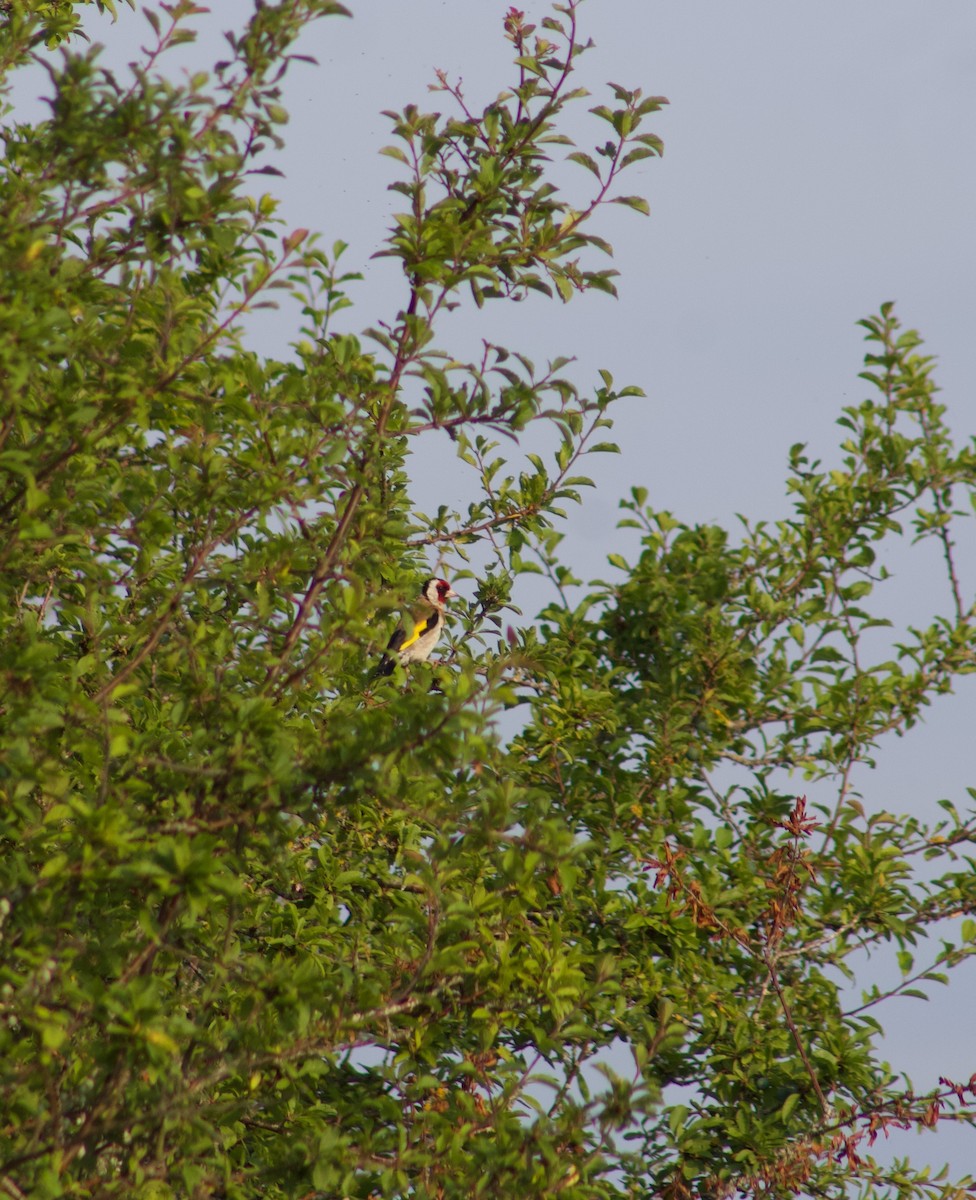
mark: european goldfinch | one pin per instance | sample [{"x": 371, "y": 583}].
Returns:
[{"x": 414, "y": 640}]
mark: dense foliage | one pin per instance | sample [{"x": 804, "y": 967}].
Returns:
[{"x": 274, "y": 927}]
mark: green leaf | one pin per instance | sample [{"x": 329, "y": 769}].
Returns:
[
  {"x": 585, "y": 160},
  {"x": 638, "y": 203}
]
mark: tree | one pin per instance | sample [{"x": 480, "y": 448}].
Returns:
[{"x": 275, "y": 927}]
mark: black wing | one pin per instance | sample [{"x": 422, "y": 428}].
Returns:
[{"x": 387, "y": 664}]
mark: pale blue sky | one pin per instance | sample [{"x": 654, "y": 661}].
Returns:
[{"x": 819, "y": 160}]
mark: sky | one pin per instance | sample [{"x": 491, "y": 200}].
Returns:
[{"x": 818, "y": 161}]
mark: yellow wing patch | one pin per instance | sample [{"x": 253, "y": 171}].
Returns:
[{"x": 419, "y": 629}]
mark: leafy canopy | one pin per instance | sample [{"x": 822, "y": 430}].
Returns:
[{"x": 274, "y": 927}]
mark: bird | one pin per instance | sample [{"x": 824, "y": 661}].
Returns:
[{"x": 413, "y": 641}]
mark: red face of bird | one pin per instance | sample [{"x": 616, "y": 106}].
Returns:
[{"x": 438, "y": 592}]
